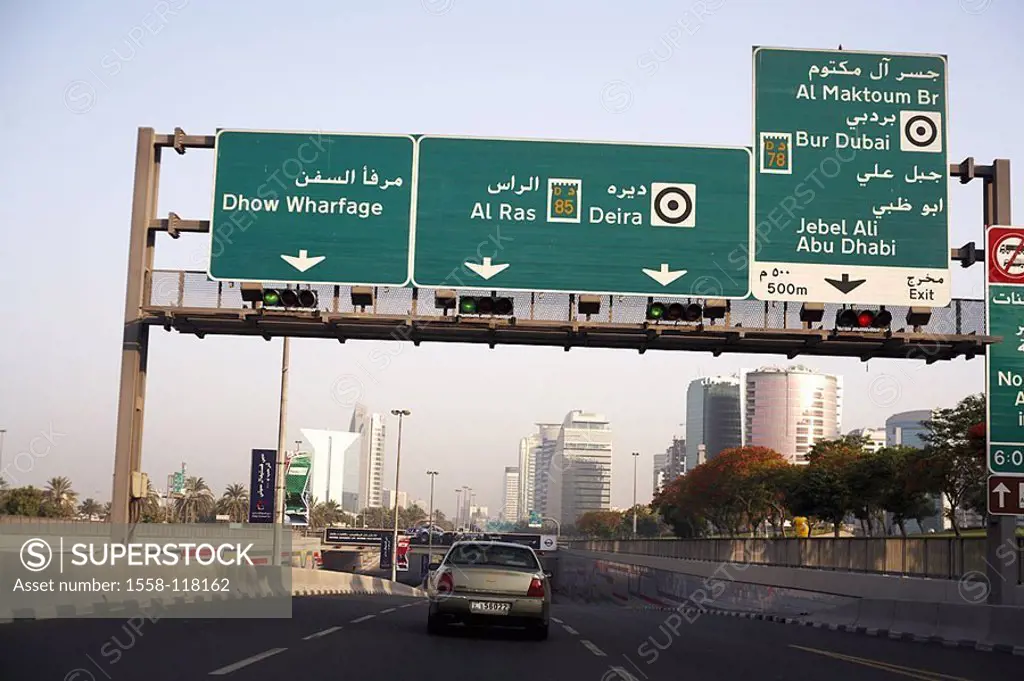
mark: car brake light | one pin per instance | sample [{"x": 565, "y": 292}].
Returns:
[
  {"x": 446, "y": 582},
  {"x": 536, "y": 589}
]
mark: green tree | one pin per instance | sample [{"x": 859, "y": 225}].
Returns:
[
  {"x": 24, "y": 501},
  {"x": 599, "y": 524},
  {"x": 955, "y": 461},
  {"x": 234, "y": 503},
  {"x": 825, "y": 486},
  {"x": 196, "y": 501},
  {"x": 324, "y": 514},
  {"x": 647, "y": 523},
  {"x": 61, "y": 497},
  {"x": 153, "y": 509},
  {"x": 89, "y": 508},
  {"x": 905, "y": 491}
]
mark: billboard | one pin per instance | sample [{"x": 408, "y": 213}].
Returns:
[
  {"x": 261, "y": 486},
  {"x": 297, "y": 493}
]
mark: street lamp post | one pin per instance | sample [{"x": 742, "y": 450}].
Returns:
[
  {"x": 401, "y": 414},
  {"x": 458, "y": 507},
  {"x": 3, "y": 431},
  {"x": 636, "y": 455},
  {"x": 430, "y": 518}
]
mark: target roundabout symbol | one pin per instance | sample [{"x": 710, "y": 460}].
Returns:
[
  {"x": 673, "y": 204},
  {"x": 921, "y": 131}
]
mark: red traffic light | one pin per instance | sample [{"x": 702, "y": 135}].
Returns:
[{"x": 863, "y": 319}]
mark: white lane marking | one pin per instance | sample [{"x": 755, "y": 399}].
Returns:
[
  {"x": 362, "y": 619},
  {"x": 246, "y": 662},
  {"x": 592, "y": 648},
  {"x": 555, "y": 619},
  {"x": 384, "y": 612},
  {"x": 318, "y": 634},
  {"x": 570, "y": 630}
]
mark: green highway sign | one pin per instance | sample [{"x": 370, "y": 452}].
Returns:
[
  {"x": 582, "y": 217},
  {"x": 1005, "y": 360},
  {"x": 312, "y": 207},
  {"x": 850, "y": 181}
]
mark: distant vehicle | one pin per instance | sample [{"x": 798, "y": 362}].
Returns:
[{"x": 491, "y": 584}]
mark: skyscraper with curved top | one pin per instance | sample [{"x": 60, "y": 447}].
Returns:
[{"x": 790, "y": 409}]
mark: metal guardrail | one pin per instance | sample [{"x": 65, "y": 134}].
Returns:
[{"x": 937, "y": 558}]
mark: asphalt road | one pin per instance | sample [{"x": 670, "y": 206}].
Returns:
[{"x": 385, "y": 637}]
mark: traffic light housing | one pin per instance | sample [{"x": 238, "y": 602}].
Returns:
[
  {"x": 284, "y": 298},
  {"x": 851, "y": 318},
  {"x": 674, "y": 312},
  {"x": 290, "y": 298},
  {"x": 486, "y": 305}
]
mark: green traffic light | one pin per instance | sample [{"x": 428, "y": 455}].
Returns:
[
  {"x": 467, "y": 305},
  {"x": 271, "y": 298},
  {"x": 656, "y": 311}
]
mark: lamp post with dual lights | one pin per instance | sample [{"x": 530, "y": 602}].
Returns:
[
  {"x": 636, "y": 456},
  {"x": 401, "y": 414}
]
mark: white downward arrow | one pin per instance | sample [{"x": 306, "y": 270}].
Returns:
[
  {"x": 664, "y": 276},
  {"x": 1002, "y": 490},
  {"x": 486, "y": 270},
  {"x": 303, "y": 262}
]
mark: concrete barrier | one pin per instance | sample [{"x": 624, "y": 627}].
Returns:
[
  {"x": 914, "y": 620},
  {"x": 1006, "y": 628},
  {"x": 325, "y": 582},
  {"x": 874, "y": 616},
  {"x": 961, "y": 624}
]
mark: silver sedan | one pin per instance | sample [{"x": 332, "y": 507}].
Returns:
[{"x": 489, "y": 583}]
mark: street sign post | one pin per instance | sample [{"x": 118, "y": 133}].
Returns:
[
  {"x": 582, "y": 217},
  {"x": 850, "y": 181},
  {"x": 312, "y": 208},
  {"x": 1005, "y": 495},
  {"x": 1005, "y": 360}
]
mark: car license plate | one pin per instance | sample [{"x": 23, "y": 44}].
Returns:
[{"x": 490, "y": 607}]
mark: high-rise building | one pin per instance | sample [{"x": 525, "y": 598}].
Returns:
[
  {"x": 371, "y": 430},
  {"x": 547, "y": 491},
  {"x": 389, "y": 496},
  {"x": 713, "y": 417},
  {"x": 510, "y": 509},
  {"x": 334, "y": 475},
  {"x": 906, "y": 428},
  {"x": 670, "y": 465},
  {"x": 790, "y": 409},
  {"x": 582, "y": 463},
  {"x": 528, "y": 450},
  {"x": 875, "y": 437}
]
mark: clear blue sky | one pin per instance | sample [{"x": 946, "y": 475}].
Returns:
[{"x": 76, "y": 82}]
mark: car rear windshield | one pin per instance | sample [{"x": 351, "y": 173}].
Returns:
[{"x": 490, "y": 555}]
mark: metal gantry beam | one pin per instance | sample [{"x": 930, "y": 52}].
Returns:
[{"x": 568, "y": 332}]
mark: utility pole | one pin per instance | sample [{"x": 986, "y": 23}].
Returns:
[
  {"x": 279, "y": 457},
  {"x": 430, "y": 517},
  {"x": 401, "y": 414},
  {"x": 458, "y": 508},
  {"x": 636, "y": 456}
]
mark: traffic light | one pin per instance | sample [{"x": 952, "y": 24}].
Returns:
[
  {"x": 486, "y": 305},
  {"x": 850, "y": 318},
  {"x": 279, "y": 297},
  {"x": 290, "y": 298},
  {"x": 674, "y": 312}
]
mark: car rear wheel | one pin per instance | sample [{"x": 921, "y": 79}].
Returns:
[
  {"x": 434, "y": 626},
  {"x": 539, "y": 633}
]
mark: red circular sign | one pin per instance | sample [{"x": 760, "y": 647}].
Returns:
[{"x": 1006, "y": 256}]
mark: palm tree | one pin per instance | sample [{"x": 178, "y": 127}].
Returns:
[
  {"x": 196, "y": 501},
  {"x": 61, "y": 496},
  {"x": 89, "y": 508},
  {"x": 234, "y": 503},
  {"x": 324, "y": 514},
  {"x": 105, "y": 513},
  {"x": 152, "y": 508}
]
